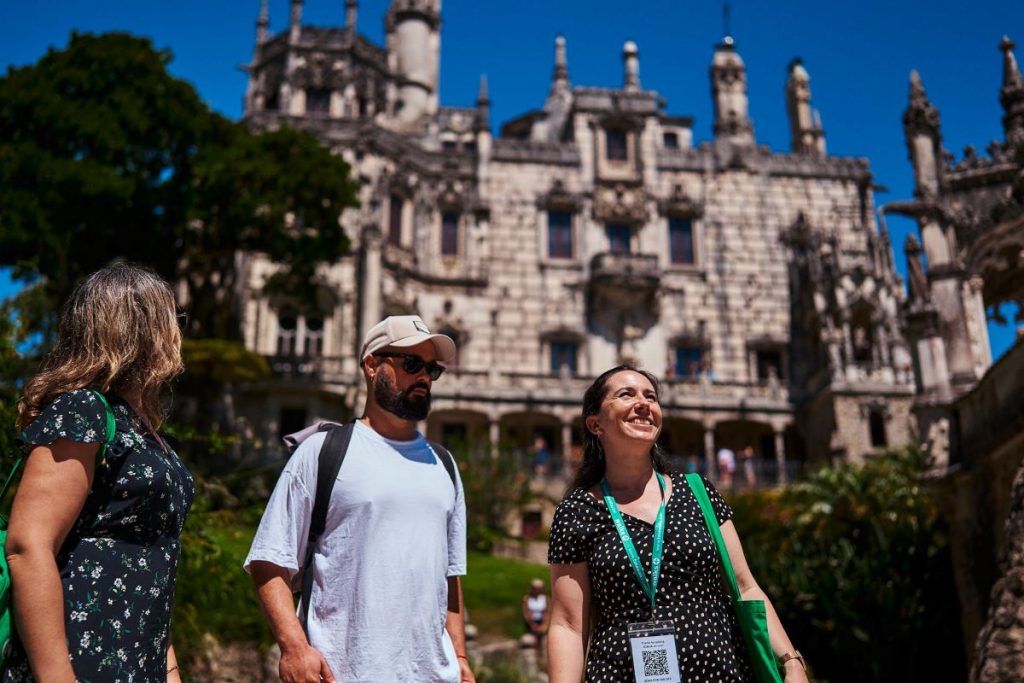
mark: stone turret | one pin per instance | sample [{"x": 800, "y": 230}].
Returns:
[
  {"x": 414, "y": 44},
  {"x": 1011, "y": 96},
  {"x": 630, "y": 66},
  {"x": 804, "y": 123},
  {"x": 262, "y": 23},
  {"x": 729, "y": 92}
]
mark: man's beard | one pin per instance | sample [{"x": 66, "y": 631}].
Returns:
[{"x": 404, "y": 405}]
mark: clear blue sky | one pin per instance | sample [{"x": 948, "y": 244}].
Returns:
[{"x": 859, "y": 56}]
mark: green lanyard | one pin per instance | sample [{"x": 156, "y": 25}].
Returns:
[{"x": 650, "y": 588}]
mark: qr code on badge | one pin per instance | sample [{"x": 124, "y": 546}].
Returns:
[{"x": 655, "y": 662}]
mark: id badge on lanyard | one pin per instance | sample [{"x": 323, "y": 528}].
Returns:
[
  {"x": 653, "y": 646},
  {"x": 652, "y": 643}
]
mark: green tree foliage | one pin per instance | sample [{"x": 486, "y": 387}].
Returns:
[
  {"x": 105, "y": 155},
  {"x": 495, "y": 486},
  {"x": 857, "y": 563}
]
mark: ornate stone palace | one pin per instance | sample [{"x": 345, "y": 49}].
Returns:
[
  {"x": 970, "y": 416},
  {"x": 594, "y": 230}
]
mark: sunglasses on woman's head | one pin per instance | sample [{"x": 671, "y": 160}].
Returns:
[{"x": 413, "y": 364}]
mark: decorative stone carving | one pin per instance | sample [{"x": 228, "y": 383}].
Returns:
[
  {"x": 679, "y": 203},
  {"x": 620, "y": 203}
]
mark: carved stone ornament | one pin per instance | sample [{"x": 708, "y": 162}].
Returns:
[
  {"x": 558, "y": 198},
  {"x": 319, "y": 71},
  {"x": 679, "y": 203},
  {"x": 620, "y": 203}
]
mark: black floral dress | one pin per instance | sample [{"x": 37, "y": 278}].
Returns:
[
  {"x": 690, "y": 592},
  {"x": 118, "y": 563}
]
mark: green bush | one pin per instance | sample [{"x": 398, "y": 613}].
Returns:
[
  {"x": 856, "y": 562},
  {"x": 213, "y": 594}
]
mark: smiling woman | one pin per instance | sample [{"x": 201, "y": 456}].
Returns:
[{"x": 631, "y": 549}]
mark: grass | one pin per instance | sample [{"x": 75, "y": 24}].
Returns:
[{"x": 493, "y": 590}]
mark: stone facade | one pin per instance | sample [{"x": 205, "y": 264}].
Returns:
[
  {"x": 592, "y": 231},
  {"x": 970, "y": 413}
]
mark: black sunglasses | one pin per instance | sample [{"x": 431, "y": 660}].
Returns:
[{"x": 413, "y": 364}]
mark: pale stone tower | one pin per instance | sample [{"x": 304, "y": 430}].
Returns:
[
  {"x": 804, "y": 122},
  {"x": 414, "y": 45},
  {"x": 729, "y": 93}
]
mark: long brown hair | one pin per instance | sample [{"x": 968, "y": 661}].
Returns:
[
  {"x": 118, "y": 334},
  {"x": 591, "y": 470}
]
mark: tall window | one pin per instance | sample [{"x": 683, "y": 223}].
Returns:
[
  {"x": 313, "y": 343},
  {"x": 615, "y": 145},
  {"x": 395, "y": 220},
  {"x": 563, "y": 353},
  {"x": 287, "y": 334},
  {"x": 450, "y": 234},
  {"x": 769, "y": 362},
  {"x": 559, "y": 234},
  {"x": 876, "y": 424},
  {"x": 318, "y": 101},
  {"x": 689, "y": 361},
  {"x": 618, "y": 238},
  {"x": 680, "y": 240}
]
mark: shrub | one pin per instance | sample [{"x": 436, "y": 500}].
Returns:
[{"x": 857, "y": 564}]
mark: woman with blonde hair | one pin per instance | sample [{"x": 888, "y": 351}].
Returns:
[{"x": 93, "y": 541}]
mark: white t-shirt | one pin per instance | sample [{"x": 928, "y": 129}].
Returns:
[{"x": 396, "y": 529}]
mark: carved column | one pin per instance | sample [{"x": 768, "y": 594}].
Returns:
[{"x": 709, "y": 452}]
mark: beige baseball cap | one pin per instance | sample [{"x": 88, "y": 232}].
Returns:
[{"x": 399, "y": 331}]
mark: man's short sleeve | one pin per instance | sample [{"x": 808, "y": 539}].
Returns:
[
  {"x": 282, "y": 536},
  {"x": 457, "y": 531}
]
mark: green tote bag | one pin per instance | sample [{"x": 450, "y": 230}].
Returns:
[
  {"x": 750, "y": 614},
  {"x": 6, "y": 611}
]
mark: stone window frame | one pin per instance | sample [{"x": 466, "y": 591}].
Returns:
[
  {"x": 767, "y": 345},
  {"x": 627, "y": 169},
  {"x": 563, "y": 335},
  {"x": 558, "y": 199},
  {"x": 299, "y": 338},
  {"x": 876, "y": 414},
  {"x": 691, "y": 341},
  {"x": 324, "y": 96},
  {"x": 680, "y": 205}
]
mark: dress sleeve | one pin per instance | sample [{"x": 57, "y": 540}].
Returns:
[
  {"x": 723, "y": 513},
  {"x": 568, "y": 543},
  {"x": 75, "y": 416}
]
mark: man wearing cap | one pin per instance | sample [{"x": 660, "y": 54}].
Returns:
[{"x": 386, "y": 603}]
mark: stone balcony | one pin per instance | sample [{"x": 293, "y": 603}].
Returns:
[{"x": 624, "y": 280}]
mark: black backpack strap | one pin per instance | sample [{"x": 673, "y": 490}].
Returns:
[
  {"x": 446, "y": 459},
  {"x": 332, "y": 454}
]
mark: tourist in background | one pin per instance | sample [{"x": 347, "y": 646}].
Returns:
[
  {"x": 535, "y": 612},
  {"x": 593, "y": 579},
  {"x": 93, "y": 542}
]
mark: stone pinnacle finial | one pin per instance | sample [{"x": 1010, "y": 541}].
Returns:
[
  {"x": 295, "y": 26},
  {"x": 482, "y": 94},
  {"x": 1011, "y": 72},
  {"x": 263, "y": 22},
  {"x": 1011, "y": 95},
  {"x": 561, "y": 61},
  {"x": 631, "y": 66},
  {"x": 351, "y": 14}
]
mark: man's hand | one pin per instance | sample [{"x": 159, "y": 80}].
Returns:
[
  {"x": 303, "y": 664},
  {"x": 466, "y": 675}
]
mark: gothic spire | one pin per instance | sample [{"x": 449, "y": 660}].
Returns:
[
  {"x": 560, "y": 75},
  {"x": 262, "y": 23},
  {"x": 483, "y": 105},
  {"x": 1011, "y": 95},
  {"x": 729, "y": 93},
  {"x": 920, "y": 116},
  {"x": 351, "y": 14},
  {"x": 804, "y": 122},
  {"x": 295, "y": 25}
]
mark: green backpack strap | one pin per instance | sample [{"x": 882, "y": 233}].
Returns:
[
  {"x": 111, "y": 429},
  {"x": 701, "y": 494}
]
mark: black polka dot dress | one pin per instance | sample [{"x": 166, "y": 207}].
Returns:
[{"x": 690, "y": 593}]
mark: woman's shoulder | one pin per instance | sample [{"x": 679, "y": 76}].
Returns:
[{"x": 78, "y": 415}]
